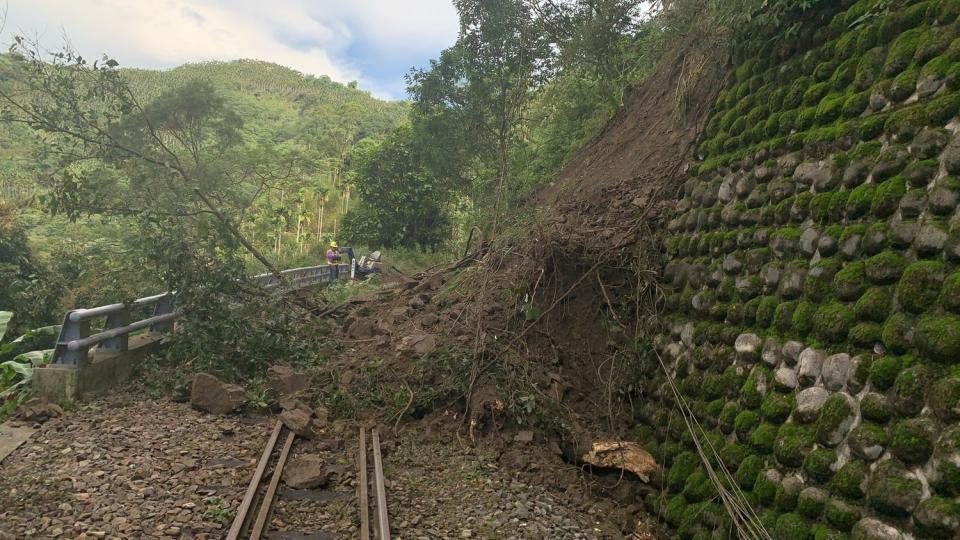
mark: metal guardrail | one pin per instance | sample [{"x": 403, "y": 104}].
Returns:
[{"x": 75, "y": 340}]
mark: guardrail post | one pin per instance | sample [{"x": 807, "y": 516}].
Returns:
[
  {"x": 164, "y": 306},
  {"x": 70, "y": 331},
  {"x": 117, "y": 319}
]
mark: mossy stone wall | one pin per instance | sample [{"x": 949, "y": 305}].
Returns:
[{"x": 814, "y": 284}]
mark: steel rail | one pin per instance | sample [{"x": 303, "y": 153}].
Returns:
[
  {"x": 87, "y": 342},
  {"x": 362, "y": 486},
  {"x": 384, "y": 524},
  {"x": 267, "y": 503},
  {"x": 244, "y": 508},
  {"x": 92, "y": 313}
]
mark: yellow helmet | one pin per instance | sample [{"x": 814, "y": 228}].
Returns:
[{"x": 334, "y": 244}]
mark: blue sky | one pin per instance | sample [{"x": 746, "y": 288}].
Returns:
[{"x": 374, "y": 42}]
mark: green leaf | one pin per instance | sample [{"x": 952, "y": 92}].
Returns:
[
  {"x": 5, "y": 317},
  {"x": 35, "y": 358}
]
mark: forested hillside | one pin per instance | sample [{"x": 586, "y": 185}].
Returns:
[{"x": 87, "y": 253}]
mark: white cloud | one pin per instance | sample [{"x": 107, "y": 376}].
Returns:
[{"x": 316, "y": 37}]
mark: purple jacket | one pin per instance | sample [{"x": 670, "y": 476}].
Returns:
[{"x": 333, "y": 257}]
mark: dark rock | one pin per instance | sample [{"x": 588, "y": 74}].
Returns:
[
  {"x": 913, "y": 203},
  {"x": 808, "y": 241},
  {"x": 37, "y": 409},
  {"x": 214, "y": 396}
]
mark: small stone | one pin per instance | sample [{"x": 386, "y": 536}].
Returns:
[{"x": 466, "y": 533}]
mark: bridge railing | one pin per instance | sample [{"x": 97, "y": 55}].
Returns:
[{"x": 75, "y": 340}]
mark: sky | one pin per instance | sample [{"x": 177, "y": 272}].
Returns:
[{"x": 374, "y": 42}]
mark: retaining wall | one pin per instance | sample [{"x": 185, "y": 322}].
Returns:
[{"x": 815, "y": 305}]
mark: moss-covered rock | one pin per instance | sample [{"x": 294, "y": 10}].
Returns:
[
  {"x": 898, "y": 332},
  {"x": 766, "y": 309},
  {"x": 892, "y": 490},
  {"x": 811, "y": 502},
  {"x": 950, "y": 293},
  {"x": 744, "y": 423},
  {"x": 776, "y": 407},
  {"x": 842, "y": 514},
  {"x": 920, "y": 285},
  {"x": 937, "y": 518},
  {"x": 945, "y": 399},
  {"x": 887, "y": 196},
  {"x": 938, "y": 337},
  {"x": 904, "y": 84},
  {"x": 885, "y": 267},
  {"x": 850, "y": 282},
  {"x": 874, "y": 406},
  {"x": 802, "y": 323},
  {"x": 765, "y": 486},
  {"x": 818, "y": 464},
  {"x": 874, "y": 305},
  {"x": 763, "y": 437},
  {"x": 866, "y": 334},
  {"x": 698, "y": 487},
  {"x": 747, "y": 472},
  {"x": 912, "y": 440},
  {"x": 909, "y": 390},
  {"x": 755, "y": 387},
  {"x": 884, "y": 371},
  {"x": 684, "y": 465},
  {"x": 792, "y": 527},
  {"x": 859, "y": 201},
  {"x": 836, "y": 418},
  {"x": 851, "y": 480},
  {"x": 792, "y": 444},
  {"x": 833, "y": 321},
  {"x": 868, "y": 441},
  {"x": 818, "y": 284}
]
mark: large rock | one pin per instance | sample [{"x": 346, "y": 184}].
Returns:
[
  {"x": 747, "y": 347},
  {"x": 305, "y": 472},
  {"x": 284, "y": 381},
  {"x": 214, "y": 396},
  {"x": 298, "y": 421}
]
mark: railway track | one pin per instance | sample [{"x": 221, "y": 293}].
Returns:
[{"x": 253, "y": 516}]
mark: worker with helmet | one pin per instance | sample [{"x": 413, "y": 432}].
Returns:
[{"x": 333, "y": 254}]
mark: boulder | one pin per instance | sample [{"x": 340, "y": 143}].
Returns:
[
  {"x": 305, "y": 472},
  {"x": 214, "y": 396},
  {"x": 284, "y": 381},
  {"x": 298, "y": 421},
  {"x": 747, "y": 347}
]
